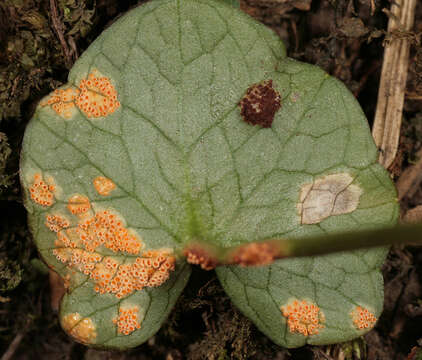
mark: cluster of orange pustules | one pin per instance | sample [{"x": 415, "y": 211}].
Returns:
[
  {"x": 62, "y": 101},
  {"x": 363, "y": 318},
  {"x": 127, "y": 321},
  {"x": 76, "y": 246},
  {"x": 303, "y": 317},
  {"x": 95, "y": 96},
  {"x": 41, "y": 192},
  {"x": 107, "y": 229}
]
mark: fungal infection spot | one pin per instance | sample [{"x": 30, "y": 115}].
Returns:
[
  {"x": 127, "y": 321},
  {"x": 56, "y": 223},
  {"x": 77, "y": 247},
  {"x": 363, "y": 318},
  {"x": 103, "y": 185},
  {"x": 198, "y": 254},
  {"x": 78, "y": 204},
  {"x": 328, "y": 196},
  {"x": 62, "y": 101},
  {"x": 97, "y": 96},
  {"x": 41, "y": 191},
  {"x": 260, "y": 103},
  {"x": 256, "y": 254},
  {"x": 82, "y": 329},
  {"x": 108, "y": 229},
  {"x": 303, "y": 317}
]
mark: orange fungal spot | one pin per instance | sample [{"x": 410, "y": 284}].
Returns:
[
  {"x": 107, "y": 229},
  {"x": 62, "y": 101},
  {"x": 95, "y": 91},
  {"x": 303, "y": 317},
  {"x": 363, "y": 318},
  {"x": 56, "y": 223},
  {"x": 41, "y": 192},
  {"x": 127, "y": 320},
  {"x": 78, "y": 204},
  {"x": 77, "y": 246},
  {"x": 82, "y": 329},
  {"x": 103, "y": 185}
]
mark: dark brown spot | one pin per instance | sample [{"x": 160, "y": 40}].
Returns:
[{"x": 260, "y": 104}]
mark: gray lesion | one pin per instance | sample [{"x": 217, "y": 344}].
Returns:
[{"x": 328, "y": 196}]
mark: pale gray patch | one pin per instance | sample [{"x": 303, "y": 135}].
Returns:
[{"x": 327, "y": 196}]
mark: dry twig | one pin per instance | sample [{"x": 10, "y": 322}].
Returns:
[
  {"x": 58, "y": 27},
  {"x": 386, "y": 129}
]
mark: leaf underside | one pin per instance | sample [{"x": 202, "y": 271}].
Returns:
[{"x": 186, "y": 166}]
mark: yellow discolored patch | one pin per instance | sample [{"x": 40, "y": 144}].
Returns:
[
  {"x": 56, "y": 223},
  {"x": 127, "y": 321},
  {"x": 363, "y": 318},
  {"x": 328, "y": 196},
  {"x": 303, "y": 317},
  {"x": 78, "y": 204},
  {"x": 103, "y": 185},
  {"x": 97, "y": 97},
  {"x": 62, "y": 101},
  {"x": 82, "y": 329},
  {"x": 41, "y": 192}
]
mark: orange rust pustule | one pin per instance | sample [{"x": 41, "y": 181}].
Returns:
[
  {"x": 363, "y": 318},
  {"x": 260, "y": 103},
  {"x": 97, "y": 97},
  {"x": 103, "y": 185},
  {"x": 151, "y": 269},
  {"x": 106, "y": 228},
  {"x": 127, "y": 321},
  {"x": 56, "y": 222},
  {"x": 255, "y": 254},
  {"x": 78, "y": 204},
  {"x": 62, "y": 101},
  {"x": 303, "y": 317},
  {"x": 41, "y": 192},
  {"x": 198, "y": 255}
]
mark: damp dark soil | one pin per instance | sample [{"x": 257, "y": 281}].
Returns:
[{"x": 39, "y": 42}]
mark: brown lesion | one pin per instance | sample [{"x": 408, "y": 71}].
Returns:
[
  {"x": 198, "y": 254},
  {"x": 256, "y": 254},
  {"x": 260, "y": 103}
]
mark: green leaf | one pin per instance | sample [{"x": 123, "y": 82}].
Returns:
[{"x": 168, "y": 158}]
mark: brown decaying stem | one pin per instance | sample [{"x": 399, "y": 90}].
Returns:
[{"x": 388, "y": 116}]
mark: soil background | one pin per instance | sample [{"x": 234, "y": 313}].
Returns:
[{"x": 39, "y": 42}]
